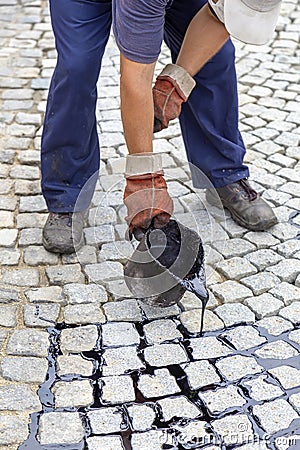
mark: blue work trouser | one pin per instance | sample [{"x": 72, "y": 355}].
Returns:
[{"x": 70, "y": 148}]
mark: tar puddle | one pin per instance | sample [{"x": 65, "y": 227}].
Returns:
[{"x": 175, "y": 438}]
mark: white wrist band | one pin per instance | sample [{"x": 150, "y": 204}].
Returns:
[
  {"x": 184, "y": 80},
  {"x": 142, "y": 163}
]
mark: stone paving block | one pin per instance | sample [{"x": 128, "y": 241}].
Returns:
[
  {"x": 33, "y": 203},
  {"x": 105, "y": 271},
  {"x": 149, "y": 440},
  {"x": 288, "y": 376},
  {"x": 41, "y": 315},
  {"x": 231, "y": 291},
  {"x": 244, "y": 337},
  {"x": 77, "y": 293},
  {"x": 277, "y": 350},
  {"x": 74, "y": 364},
  {"x": 28, "y": 342},
  {"x": 160, "y": 384},
  {"x": 284, "y": 231},
  {"x": 60, "y": 428},
  {"x": 79, "y": 339},
  {"x": 236, "y": 268},
  {"x": 263, "y": 258},
  {"x": 156, "y": 312},
  {"x": 7, "y": 219},
  {"x": 262, "y": 239},
  {"x": 25, "y": 172},
  {"x": 235, "y": 313},
  {"x": 86, "y": 255},
  {"x": 117, "y": 389},
  {"x": 261, "y": 282},
  {"x": 116, "y": 251},
  {"x": 159, "y": 355},
  {"x": 233, "y": 247},
  {"x": 8, "y": 316},
  {"x": 213, "y": 277},
  {"x": 118, "y": 361},
  {"x": 275, "y": 325},
  {"x": 27, "y": 187},
  {"x": 99, "y": 235},
  {"x": 212, "y": 257},
  {"x": 49, "y": 294},
  {"x": 291, "y": 312},
  {"x": 221, "y": 399},
  {"x": 141, "y": 416},
  {"x": 176, "y": 407},
  {"x": 295, "y": 401},
  {"x": 106, "y": 420},
  {"x": 275, "y": 415},
  {"x": 286, "y": 292},
  {"x": 233, "y": 229},
  {"x": 25, "y": 369},
  {"x": 191, "y": 320},
  {"x": 287, "y": 270},
  {"x": 18, "y": 397},
  {"x": 264, "y": 305},
  {"x": 208, "y": 347},
  {"x": 189, "y": 301},
  {"x": 278, "y": 198},
  {"x": 232, "y": 429},
  {"x": 127, "y": 310},
  {"x": 60, "y": 275},
  {"x": 84, "y": 314},
  {"x": 105, "y": 443},
  {"x": 8, "y": 203},
  {"x": 238, "y": 366},
  {"x": 20, "y": 277},
  {"x": 8, "y": 295},
  {"x": 9, "y": 257},
  {"x": 295, "y": 336},
  {"x": 260, "y": 389},
  {"x": 36, "y": 255},
  {"x": 73, "y": 394},
  {"x": 6, "y": 187},
  {"x": 3, "y": 336},
  {"x": 13, "y": 430},
  {"x": 30, "y": 236},
  {"x": 118, "y": 289},
  {"x": 194, "y": 433},
  {"x": 119, "y": 334},
  {"x": 200, "y": 374},
  {"x": 160, "y": 331}
]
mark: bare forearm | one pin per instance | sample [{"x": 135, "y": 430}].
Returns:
[
  {"x": 137, "y": 105},
  {"x": 204, "y": 38}
]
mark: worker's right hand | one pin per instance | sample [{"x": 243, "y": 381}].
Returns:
[
  {"x": 172, "y": 88},
  {"x": 146, "y": 195}
]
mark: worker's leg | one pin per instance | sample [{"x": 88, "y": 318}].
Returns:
[
  {"x": 209, "y": 120},
  {"x": 70, "y": 149}
]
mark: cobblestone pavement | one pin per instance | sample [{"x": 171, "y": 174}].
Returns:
[{"x": 83, "y": 365}]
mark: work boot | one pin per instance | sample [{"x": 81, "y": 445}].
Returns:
[
  {"x": 247, "y": 208},
  {"x": 63, "y": 232}
]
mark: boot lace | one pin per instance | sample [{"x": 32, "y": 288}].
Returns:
[{"x": 252, "y": 194}]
